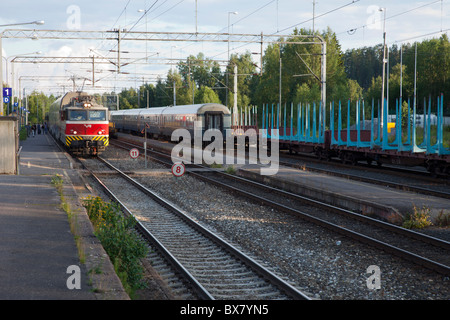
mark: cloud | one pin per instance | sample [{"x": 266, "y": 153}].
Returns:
[{"x": 212, "y": 16}]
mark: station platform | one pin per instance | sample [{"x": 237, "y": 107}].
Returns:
[
  {"x": 385, "y": 203},
  {"x": 38, "y": 250}
]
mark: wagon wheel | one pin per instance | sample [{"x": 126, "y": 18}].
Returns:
[{"x": 353, "y": 161}]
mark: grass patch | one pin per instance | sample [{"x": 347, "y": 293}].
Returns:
[
  {"x": 443, "y": 219},
  {"x": 121, "y": 243},
  {"x": 230, "y": 170},
  {"x": 23, "y": 134},
  {"x": 58, "y": 182}
]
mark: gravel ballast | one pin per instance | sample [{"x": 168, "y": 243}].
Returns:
[{"x": 319, "y": 262}]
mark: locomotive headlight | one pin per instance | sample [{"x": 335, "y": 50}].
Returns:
[
  {"x": 75, "y": 132},
  {"x": 100, "y": 132}
]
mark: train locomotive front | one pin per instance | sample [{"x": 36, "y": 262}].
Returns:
[{"x": 80, "y": 123}]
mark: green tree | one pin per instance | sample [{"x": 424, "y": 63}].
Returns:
[
  {"x": 246, "y": 70},
  {"x": 128, "y": 99},
  {"x": 198, "y": 71},
  {"x": 301, "y": 70},
  {"x": 355, "y": 90},
  {"x": 206, "y": 95},
  {"x": 38, "y": 106}
]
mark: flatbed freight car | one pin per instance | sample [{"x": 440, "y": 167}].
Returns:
[{"x": 310, "y": 130}]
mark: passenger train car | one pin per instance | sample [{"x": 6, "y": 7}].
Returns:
[
  {"x": 80, "y": 123},
  {"x": 161, "y": 122}
]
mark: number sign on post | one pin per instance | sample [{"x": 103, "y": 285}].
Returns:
[
  {"x": 7, "y": 92},
  {"x": 134, "y": 153},
  {"x": 178, "y": 169},
  {"x": 7, "y": 95}
]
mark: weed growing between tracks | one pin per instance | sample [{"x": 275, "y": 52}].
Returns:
[
  {"x": 57, "y": 182},
  {"x": 419, "y": 219},
  {"x": 116, "y": 233}
]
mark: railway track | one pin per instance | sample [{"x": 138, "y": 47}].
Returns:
[
  {"x": 391, "y": 177},
  {"x": 423, "y": 250},
  {"x": 213, "y": 268}
]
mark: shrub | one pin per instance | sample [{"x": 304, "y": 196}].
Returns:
[
  {"x": 230, "y": 170},
  {"x": 419, "y": 219},
  {"x": 443, "y": 219},
  {"x": 23, "y": 134}
]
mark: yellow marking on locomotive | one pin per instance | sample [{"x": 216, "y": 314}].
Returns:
[
  {"x": 70, "y": 139},
  {"x": 105, "y": 139}
]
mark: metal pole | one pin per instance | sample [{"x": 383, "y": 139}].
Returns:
[
  {"x": 235, "y": 91},
  {"x": 387, "y": 81},
  {"x": 93, "y": 71},
  {"x": 1, "y": 77},
  {"x": 261, "y": 57},
  {"x": 26, "y": 108},
  {"x": 314, "y": 14},
  {"x": 415, "y": 79},
  {"x": 118, "y": 50},
  {"x": 279, "y": 96},
  {"x": 174, "y": 93},
  {"x": 11, "y": 101},
  {"x": 384, "y": 70},
  {"x": 145, "y": 144},
  {"x": 228, "y": 42},
  {"x": 401, "y": 73},
  {"x": 324, "y": 81},
  {"x": 228, "y": 55}
]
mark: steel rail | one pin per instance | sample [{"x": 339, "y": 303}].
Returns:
[
  {"x": 384, "y": 168},
  {"x": 176, "y": 265},
  {"x": 430, "y": 264},
  {"x": 262, "y": 271},
  {"x": 319, "y": 204},
  {"x": 436, "y": 266}
]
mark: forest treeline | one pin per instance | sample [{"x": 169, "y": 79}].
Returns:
[{"x": 353, "y": 74}]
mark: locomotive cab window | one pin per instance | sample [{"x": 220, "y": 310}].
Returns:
[
  {"x": 97, "y": 115},
  {"x": 77, "y": 115}
]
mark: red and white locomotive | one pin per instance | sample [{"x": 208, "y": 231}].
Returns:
[{"x": 80, "y": 123}]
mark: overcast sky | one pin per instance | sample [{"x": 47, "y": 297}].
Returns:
[{"x": 356, "y": 24}]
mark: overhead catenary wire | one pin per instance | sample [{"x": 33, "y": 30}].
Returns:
[
  {"x": 318, "y": 16},
  {"x": 295, "y": 25},
  {"x": 240, "y": 20}
]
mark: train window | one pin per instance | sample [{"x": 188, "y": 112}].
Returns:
[
  {"x": 97, "y": 115},
  {"x": 77, "y": 115}
]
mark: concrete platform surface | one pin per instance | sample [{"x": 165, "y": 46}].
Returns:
[
  {"x": 386, "y": 203},
  {"x": 38, "y": 252}
]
